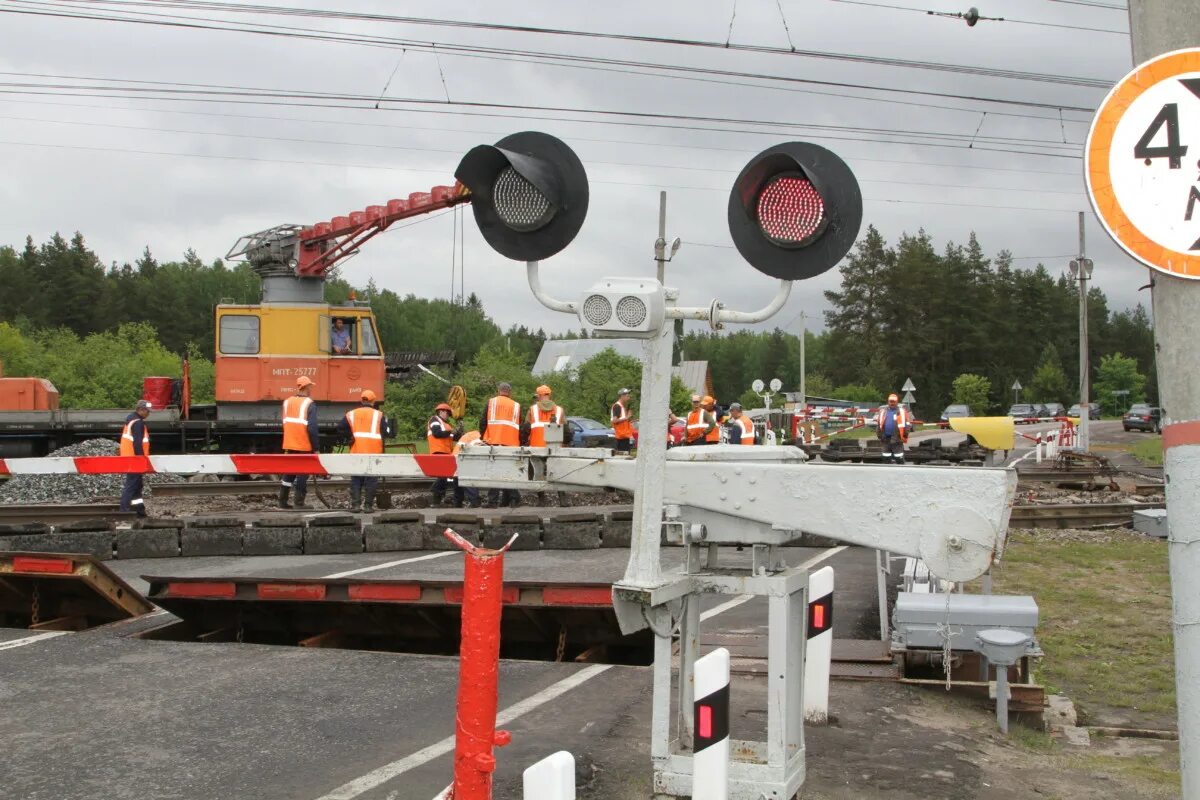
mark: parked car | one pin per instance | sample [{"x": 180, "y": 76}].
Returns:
[
  {"x": 1076, "y": 411},
  {"x": 675, "y": 433},
  {"x": 956, "y": 410},
  {"x": 587, "y": 432},
  {"x": 1021, "y": 412},
  {"x": 1053, "y": 410},
  {"x": 1144, "y": 417}
]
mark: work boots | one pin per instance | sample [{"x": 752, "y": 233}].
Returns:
[
  {"x": 355, "y": 500},
  {"x": 369, "y": 507},
  {"x": 438, "y": 497},
  {"x": 284, "y": 491},
  {"x": 300, "y": 493}
]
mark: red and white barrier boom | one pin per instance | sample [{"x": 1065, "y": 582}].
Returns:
[
  {"x": 710, "y": 727},
  {"x": 819, "y": 649},
  {"x": 387, "y": 466}
]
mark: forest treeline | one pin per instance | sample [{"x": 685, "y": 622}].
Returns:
[{"x": 904, "y": 310}]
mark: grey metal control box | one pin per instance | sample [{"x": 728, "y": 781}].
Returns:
[{"x": 918, "y": 619}]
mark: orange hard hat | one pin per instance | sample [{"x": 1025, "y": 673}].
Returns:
[
  {"x": 543, "y": 389},
  {"x": 303, "y": 381},
  {"x": 368, "y": 396},
  {"x": 443, "y": 407},
  {"x": 707, "y": 401}
]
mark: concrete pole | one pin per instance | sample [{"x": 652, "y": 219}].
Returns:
[
  {"x": 1157, "y": 27},
  {"x": 661, "y": 245},
  {"x": 1084, "y": 439}
]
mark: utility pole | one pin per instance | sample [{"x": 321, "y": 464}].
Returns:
[
  {"x": 1157, "y": 27},
  {"x": 803, "y": 374},
  {"x": 1083, "y": 268},
  {"x": 660, "y": 246}
]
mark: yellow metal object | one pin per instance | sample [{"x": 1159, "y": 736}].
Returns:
[
  {"x": 457, "y": 400},
  {"x": 993, "y": 433}
]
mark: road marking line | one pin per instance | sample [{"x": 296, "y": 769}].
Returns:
[
  {"x": 361, "y": 570},
  {"x": 387, "y": 772},
  {"x": 37, "y": 637}
]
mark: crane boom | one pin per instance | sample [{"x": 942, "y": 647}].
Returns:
[{"x": 311, "y": 251}]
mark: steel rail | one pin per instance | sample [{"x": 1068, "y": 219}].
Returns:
[{"x": 54, "y": 513}]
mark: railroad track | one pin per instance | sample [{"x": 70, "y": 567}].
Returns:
[
  {"x": 56, "y": 514},
  {"x": 1076, "y": 515},
  {"x": 269, "y": 487}
]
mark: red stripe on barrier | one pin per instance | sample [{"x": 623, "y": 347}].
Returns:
[
  {"x": 58, "y": 566},
  {"x": 291, "y": 591},
  {"x": 388, "y": 592},
  {"x": 1180, "y": 433},
  {"x": 295, "y": 464},
  {"x": 4, "y": 468},
  {"x": 108, "y": 465},
  {"x": 222, "y": 590},
  {"x": 437, "y": 466},
  {"x": 454, "y": 594},
  {"x": 577, "y": 596}
]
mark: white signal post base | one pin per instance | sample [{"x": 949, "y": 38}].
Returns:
[
  {"x": 772, "y": 769},
  {"x": 552, "y": 778},
  {"x": 819, "y": 656}
]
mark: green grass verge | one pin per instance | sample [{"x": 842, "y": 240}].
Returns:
[
  {"x": 1105, "y": 618},
  {"x": 1149, "y": 451}
]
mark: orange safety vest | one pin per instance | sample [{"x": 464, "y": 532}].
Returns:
[
  {"x": 538, "y": 420},
  {"x": 443, "y": 445},
  {"x": 465, "y": 440},
  {"x": 747, "y": 427},
  {"x": 503, "y": 422},
  {"x": 901, "y": 421},
  {"x": 621, "y": 421},
  {"x": 127, "y": 440},
  {"x": 295, "y": 424},
  {"x": 366, "y": 425},
  {"x": 697, "y": 425}
]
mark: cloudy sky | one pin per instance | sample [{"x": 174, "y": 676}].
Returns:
[{"x": 144, "y": 134}]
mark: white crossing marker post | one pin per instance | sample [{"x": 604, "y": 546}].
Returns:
[
  {"x": 710, "y": 727},
  {"x": 552, "y": 778},
  {"x": 818, "y": 654}
]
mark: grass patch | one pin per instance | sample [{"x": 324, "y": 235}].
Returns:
[
  {"x": 1149, "y": 451},
  {"x": 865, "y": 432},
  {"x": 1105, "y": 617},
  {"x": 1029, "y": 739},
  {"x": 1148, "y": 769}
]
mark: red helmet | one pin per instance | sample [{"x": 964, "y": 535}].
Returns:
[{"x": 443, "y": 407}]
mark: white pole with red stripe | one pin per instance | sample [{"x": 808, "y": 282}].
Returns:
[
  {"x": 710, "y": 727},
  {"x": 818, "y": 654}
]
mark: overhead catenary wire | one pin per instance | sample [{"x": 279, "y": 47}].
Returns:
[
  {"x": 672, "y": 145},
  {"x": 960, "y": 15},
  {"x": 73, "y": 9}
]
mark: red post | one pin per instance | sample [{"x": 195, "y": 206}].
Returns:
[{"x": 478, "y": 671}]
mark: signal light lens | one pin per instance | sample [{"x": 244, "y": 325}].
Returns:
[
  {"x": 518, "y": 202},
  {"x": 791, "y": 212}
]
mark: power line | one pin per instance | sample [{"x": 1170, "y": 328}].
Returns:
[
  {"x": 674, "y": 145},
  {"x": 1092, "y": 4},
  {"x": 61, "y": 8},
  {"x": 992, "y": 19}
]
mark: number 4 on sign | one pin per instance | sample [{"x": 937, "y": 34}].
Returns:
[{"x": 1173, "y": 151}]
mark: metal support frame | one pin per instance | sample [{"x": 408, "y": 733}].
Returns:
[{"x": 772, "y": 769}]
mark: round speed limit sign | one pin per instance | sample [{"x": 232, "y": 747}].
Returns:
[{"x": 1142, "y": 163}]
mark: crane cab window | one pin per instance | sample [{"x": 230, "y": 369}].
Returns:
[
  {"x": 341, "y": 337},
  {"x": 239, "y": 334},
  {"x": 370, "y": 344}
]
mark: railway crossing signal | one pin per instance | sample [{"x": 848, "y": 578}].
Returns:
[
  {"x": 529, "y": 192},
  {"x": 794, "y": 211}
]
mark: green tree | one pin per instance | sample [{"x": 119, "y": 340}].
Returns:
[
  {"x": 972, "y": 390},
  {"x": 860, "y": 392},
  {"x": 1049, "y": 383},
  {"x": 1119, "y": 373}
]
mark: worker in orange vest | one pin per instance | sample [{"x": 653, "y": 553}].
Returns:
[
  {"x": 700, "y": 422},
  {"x": 622, "y": 422},
  {"x": 300, "y": 435},
  {"x": 366, "y": 427},
  {"x": 544, "y": 412},
  {"x": 135, "y": 441},
  {"x": 892, "y": 426},
  {"x": 468, "y": 439},
  {"x": 740, "y": 424},
  {"x": 440, "y": 434},
  {"x": 501, "y": 426}
]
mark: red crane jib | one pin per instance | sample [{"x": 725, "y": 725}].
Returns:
[{"x": 324, "y": 244}]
